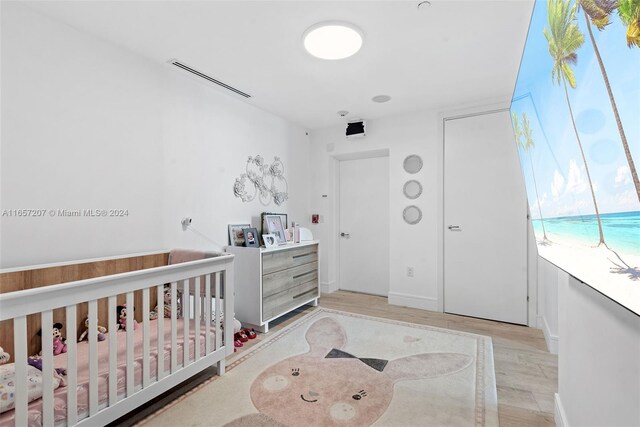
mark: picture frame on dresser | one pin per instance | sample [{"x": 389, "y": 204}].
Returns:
[
  {"x": 251, "y": 238},
  {"x": 269, "y": 240},
  {"x": 283, "y": 218},
  {"x": 275, "y": 227},
  {"x": 236, "y": 234}
]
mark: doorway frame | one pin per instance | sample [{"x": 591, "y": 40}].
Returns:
[
  {"x": 335, "y": 160},
  {"x": 496, "y": 106}
]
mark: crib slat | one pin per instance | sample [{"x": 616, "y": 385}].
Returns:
[
  {"x": 174, "y": 327},
  {"x": 160, "y": 298},
  {"x": 130, "y": 344},
  {"x": 227, "y": 281},
  {"x": 20, "y": 350},
  {"x": 207, "y": 314},
  {"x": 186, "y": 305},
  {"x": 218, "y": 309},
  {"x": 201, "y": 302},
  {"x": 47, "y": 367},
  {"x": 113, "y": 351},
  {"x": 93, "y": 357},
  {"x": 197, "y": 319},
  {"x": 145, "y": 338},
  {"x": 72, "y": 366}
]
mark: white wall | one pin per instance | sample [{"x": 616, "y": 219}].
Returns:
[
  {"x": 410, "y": 245},
  {"x": 548, "y": 278},
  {"x": 88, "y": 125},
  {"x": 599, "y": 360}
]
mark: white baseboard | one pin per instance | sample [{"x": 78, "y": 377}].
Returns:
[
  {"x": 560, "y": 416},
  {"x": 328, "y": 287},
  {"x": 549, "y": 338},
  {"x": 413, "y": 301}
]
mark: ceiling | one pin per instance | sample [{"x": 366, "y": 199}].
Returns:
[{"x": 447, "y": 54}]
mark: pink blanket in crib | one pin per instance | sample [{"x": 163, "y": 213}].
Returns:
[{"x": 60, "y": 394}]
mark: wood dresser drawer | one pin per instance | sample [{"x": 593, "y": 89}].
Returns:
[
  {"x": 281, "y": 260},
  {"x": 284, "y": 279},
  {"x": 282, "y": 302}
]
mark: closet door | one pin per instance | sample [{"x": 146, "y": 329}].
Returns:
[{"x": 485, "y": 220}]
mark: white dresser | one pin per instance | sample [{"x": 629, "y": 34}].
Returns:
[{"x": 272, "y": 282}]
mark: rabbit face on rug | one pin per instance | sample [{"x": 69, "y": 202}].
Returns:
[{"x": 327, "y": 385}]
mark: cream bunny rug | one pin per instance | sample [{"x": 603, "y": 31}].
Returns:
[{"x": 336, "y": 368}]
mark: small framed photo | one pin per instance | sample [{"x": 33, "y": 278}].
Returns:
[
  {"x": 274, "y": 226},
  {"x": 251, "y": 237},
  {"x": 236, "y": 235},
  {"x": 269, "y": 240},
  {"x": 263, "y": 219}
]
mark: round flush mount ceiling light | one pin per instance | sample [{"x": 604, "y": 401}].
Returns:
[
  {"x": 381, "y": 98},
  {"x": 332, "y": 40}
]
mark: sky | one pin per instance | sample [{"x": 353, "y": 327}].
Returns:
[{"x": 560, "y": 174}]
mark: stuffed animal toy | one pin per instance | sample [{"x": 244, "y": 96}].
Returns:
[
  {"x": 121, "y": 311},
  {"x": 4, "y": 356},
  {"x": 101, "y": 331},
  {"x": 167, "y": 302},
  {"x": 36, "y": 362},
  {"x": 59, "y": 345}
]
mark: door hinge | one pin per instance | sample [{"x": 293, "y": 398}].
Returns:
[{"x": 527, "y": 298}]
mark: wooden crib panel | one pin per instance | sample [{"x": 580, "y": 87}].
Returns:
[
  {"x": 11, "y": 282},
  {"x": 28, "y": 279}
]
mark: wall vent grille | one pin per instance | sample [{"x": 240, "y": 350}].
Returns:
[{"x": 209, "y": 78}]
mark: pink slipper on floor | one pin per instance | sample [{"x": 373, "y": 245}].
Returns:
[
  {"x": 240, "y": 336},
  {"x": 250, "y": 333},
  {"x": 237, "y": 343}
]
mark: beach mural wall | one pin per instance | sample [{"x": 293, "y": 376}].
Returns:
[{"x": 576, "y": 119}]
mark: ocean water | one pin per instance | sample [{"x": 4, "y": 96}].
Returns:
[{"x": 621, "y": 230}]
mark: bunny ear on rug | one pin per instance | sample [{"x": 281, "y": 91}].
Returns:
[
  {"x": 427, "y": 365},
  {"x": 324, "y": 335}
]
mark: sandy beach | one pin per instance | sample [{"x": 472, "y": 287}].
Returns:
[{"x": 614, "y": 273}]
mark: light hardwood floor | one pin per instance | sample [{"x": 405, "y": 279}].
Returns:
[{"x": 526, "y": 373}]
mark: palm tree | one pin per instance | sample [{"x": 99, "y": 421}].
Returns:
[
  {"x": 629, "y": 12},
  {"x": 527, "y": 145},
  {"x": 564, "y": 39},
  {"x": 597, "y": 12}
]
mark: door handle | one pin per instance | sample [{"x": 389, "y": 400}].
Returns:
[
  {"x": 345, "y": 235},
  {"x": 454, "y": 228}
]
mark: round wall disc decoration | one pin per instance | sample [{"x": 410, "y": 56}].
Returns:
[
  {"x": 413, "y": 163},
  {"x": 412, "y": 214},
  {"x": 412, "y": 189}
]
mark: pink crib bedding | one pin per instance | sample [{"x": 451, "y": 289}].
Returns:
[{"x": 60, "y": 361}]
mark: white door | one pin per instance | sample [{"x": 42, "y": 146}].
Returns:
[
  {"x": 364, "y": 225},
  {"x": 485, "y": 220}
]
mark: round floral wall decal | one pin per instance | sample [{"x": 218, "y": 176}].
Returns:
[{"x": 266, "y": 181}]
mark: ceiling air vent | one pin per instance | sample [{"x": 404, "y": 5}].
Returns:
[{"x": 204, "y": 76}]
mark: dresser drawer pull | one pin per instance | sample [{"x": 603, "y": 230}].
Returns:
[
  {"x": 304, "y": 293},
  {"x": 302, "y": 255},
  {"x": 304, "y": 274}
]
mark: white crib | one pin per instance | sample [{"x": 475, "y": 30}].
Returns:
[{"x": 159, "y": 355}]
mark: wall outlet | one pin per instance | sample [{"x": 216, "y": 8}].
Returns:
[{"x": 409, "y": 271}]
